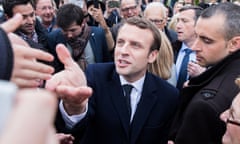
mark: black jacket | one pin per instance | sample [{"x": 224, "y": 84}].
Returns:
[{"x": 207, "y": 96}]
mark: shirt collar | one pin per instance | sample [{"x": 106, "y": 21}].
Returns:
[
  {"x": 184, "y": 46},
  {"x": 138, "y": 85}
]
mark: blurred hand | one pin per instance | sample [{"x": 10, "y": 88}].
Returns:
[
  {"x": 31, "y": 120},
  {"x": 97, "y": 15},
  {"x": 170, "y": 142},
  {"x": 70, "y": 84},
  {"x": 65, "y": 138},
  {"x": 27, "y": 71},
  {"x": 195, "y": 69},
  {"x": 185, "y": 84}
]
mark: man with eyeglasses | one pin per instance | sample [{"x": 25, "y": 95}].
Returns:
[
  {"x": 128, "y": 8},
  {"x": 232, "y": 119},
  {"x": 45, "y": 11},
  {"x": 217, "y": 47},
  {"x": 156, "y": 13}
]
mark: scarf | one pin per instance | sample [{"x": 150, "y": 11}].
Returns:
[{"x": 78, "y": 44}]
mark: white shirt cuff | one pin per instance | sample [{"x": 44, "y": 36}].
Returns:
[{"x": 70, "y": 121}]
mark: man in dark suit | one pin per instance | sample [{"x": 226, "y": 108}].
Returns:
[
  {"x": 108, "y": 117},
  {"x": 187, "y": 18},
  {"x": 211, "y": 93},
  {"x": 87, "y": 44}
]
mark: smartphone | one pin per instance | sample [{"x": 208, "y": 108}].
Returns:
[
  {"x": 113, "y": 4},
  {"x": 95, "y": 3},
  {"x": 8, "y": 91}
]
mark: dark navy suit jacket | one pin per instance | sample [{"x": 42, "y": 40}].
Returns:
[
  {"x": 97, "y": 41},
  {"x": 107, "y": 119}
]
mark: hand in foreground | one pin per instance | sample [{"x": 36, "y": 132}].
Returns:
[
  {"x": 31, "y": 120},
  {"x": 27, "y": 71},
  {"x": 65, "y": 138},
  {"x": 70, "y": 84}
]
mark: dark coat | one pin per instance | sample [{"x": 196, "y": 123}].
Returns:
[
  {"x": 208, "y": 95},
  {"x": 176, "y": 48},
  {"x": 107, "y": 119},
  {"x": 171, "y": 35}
]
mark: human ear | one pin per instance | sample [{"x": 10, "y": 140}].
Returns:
[
  {"x": 152, "y": 56},
  {"x": 234, "y": 44}
]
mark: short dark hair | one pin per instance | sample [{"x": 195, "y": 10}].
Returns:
[
  {"x": 143, "y": 23},
  {"x": 8, "y": 5},
  {"x": 198, "y": 10},
  {"x": 231, "y": 12},
  {"x": 69, "y": 13}
]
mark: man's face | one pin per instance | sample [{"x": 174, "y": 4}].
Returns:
[
  {"x": 73, "y": 31},
  {"x": 132, "y": 53},
  {"x": 210, "y": 45},
  {"x": 185, "y": 26},
  {"x": 129, "y": 8},
  {"x": 232, "y": 133},
  {"x": 29, "y": 19},
  {"x": 45, "y": 10},
  {"x": 177, "y": 7},
  {"x": 156, "y": 16}
]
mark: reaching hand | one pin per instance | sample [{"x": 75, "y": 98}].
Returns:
[
  {"x": 27, "y": 71},
  {"x": 70, "y": 84}
]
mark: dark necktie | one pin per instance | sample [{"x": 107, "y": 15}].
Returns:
[
  {"x": 182, "y": 77},
  {"x": 127, "y": 89}
]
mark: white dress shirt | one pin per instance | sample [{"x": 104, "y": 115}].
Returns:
[{"x": 135, "y": 93}]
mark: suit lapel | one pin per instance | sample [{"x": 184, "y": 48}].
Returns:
[
  {"x": 119, "y": 102},
  {"x": 147, "y": 101}
]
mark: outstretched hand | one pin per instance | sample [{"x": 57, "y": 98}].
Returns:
[
  {"x": 70, "y": 84},
  {"x": 27, "y": 71}
]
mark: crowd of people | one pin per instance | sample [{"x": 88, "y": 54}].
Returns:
[{"x": 120, "y": 72}]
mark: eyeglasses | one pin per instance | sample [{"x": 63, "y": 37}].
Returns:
[
  {"x": 44, "y": 8},
  {"x": 129, "y": 8},
  {"x": 157, "y": 21},
  {"x": 233, "y": 122}
]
